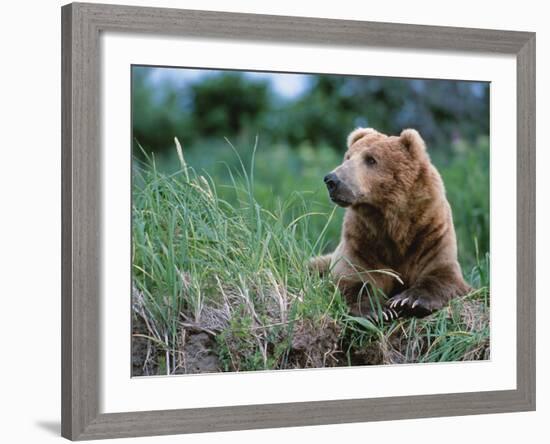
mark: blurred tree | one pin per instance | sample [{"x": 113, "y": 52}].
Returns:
[
  {"x": 229, "y": 104},
  {"x": 441, "y": 110},
  {"x": 323, "y": 115},
  {"x": 157, "y": 115}
]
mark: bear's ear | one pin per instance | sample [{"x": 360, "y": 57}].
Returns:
[
  {"x": 358, "y": 133},
  {"x": 412, "y": 141}
]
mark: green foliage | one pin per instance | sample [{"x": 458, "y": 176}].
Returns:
[
  {"x": 157, "y": 116},
  {"x": 466, "y": 179},
  {"x": 217, "y": 107},
  {"x": 440, "y": 110},
  {"x": 228, "y": 104},
  {"x": 223, "y": 105}
]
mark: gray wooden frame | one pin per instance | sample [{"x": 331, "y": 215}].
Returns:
[{"x": 81, "y": 232}]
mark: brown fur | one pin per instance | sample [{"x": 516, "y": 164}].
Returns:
[{"x": 397, "y": 222}]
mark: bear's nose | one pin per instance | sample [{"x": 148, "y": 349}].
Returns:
[{"x": 331, "y": 181}]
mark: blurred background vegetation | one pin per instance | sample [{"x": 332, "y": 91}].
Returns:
[{"x": 300, "y": 123}]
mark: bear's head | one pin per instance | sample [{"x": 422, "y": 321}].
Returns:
[{"x": 377, "y": 169}]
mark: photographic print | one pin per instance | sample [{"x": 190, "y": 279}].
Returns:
[{"x": 285, "y": 221}]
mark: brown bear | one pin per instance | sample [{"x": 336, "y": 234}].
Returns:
[{"x": 398, "y": 234}]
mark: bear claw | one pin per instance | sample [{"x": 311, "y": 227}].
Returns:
[
  {"x": 398, "y": 301},
  {"x": 410, "y": 305},
  {"x": 388, "y": 314}
]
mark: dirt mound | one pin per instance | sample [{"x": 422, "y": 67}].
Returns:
[
  {"x": 198, "y": 355},
  {"x": 144, "y": 351},
  {"x": 316, "y": 345},
  {"x": 223, "y": 339}
]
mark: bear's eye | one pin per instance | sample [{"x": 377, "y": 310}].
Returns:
[{"x": 370, "y": 160}]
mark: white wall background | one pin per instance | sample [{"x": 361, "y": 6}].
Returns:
[{"x": 30, "y": 221}]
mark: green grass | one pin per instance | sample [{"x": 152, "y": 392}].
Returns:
[{"x": 219, "y": 268}]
